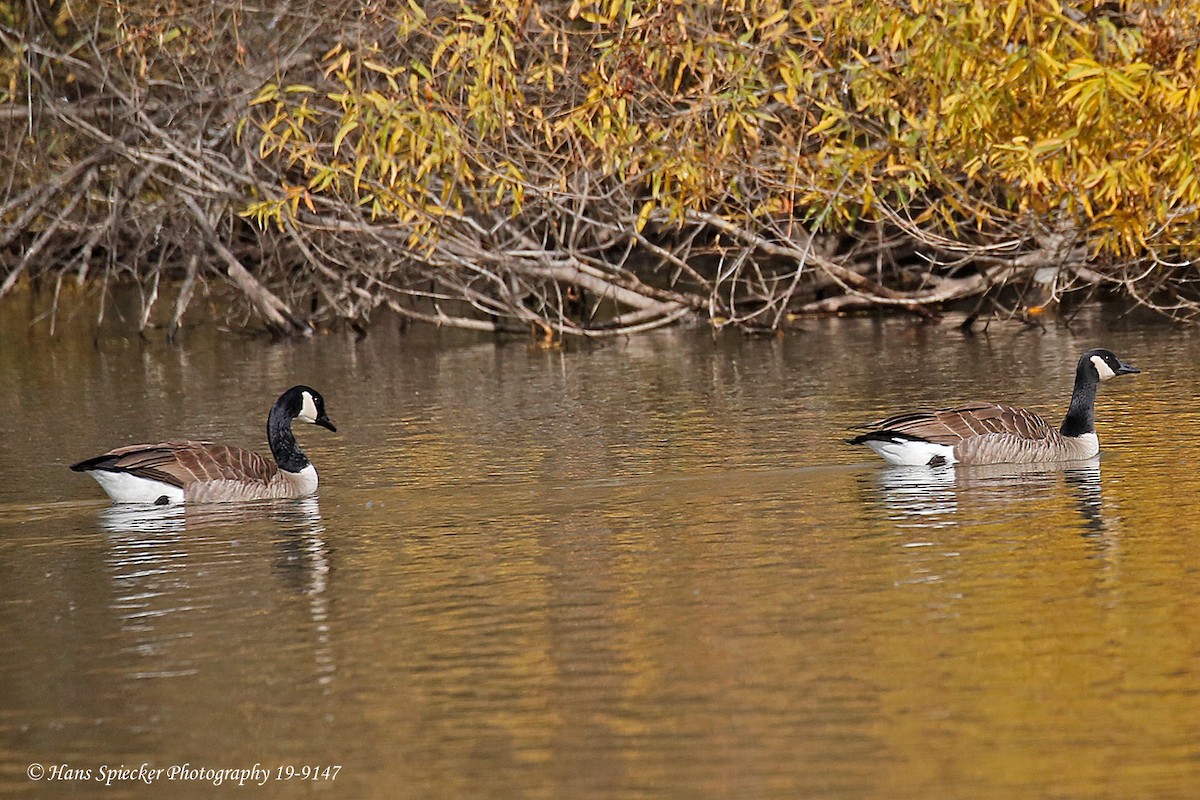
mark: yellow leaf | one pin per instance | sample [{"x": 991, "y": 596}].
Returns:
[
  {"x": 830, "y": 119},
  {"x": 644, "y": 215},
  {"x": 375, "y": 66},
  {"x": 773, "y": 18},
  {"x": 1009, "y": 17},
  {"x": 266, "y": 94},
  {"x": 347, "y": 126},
  {"x": 1049, "y": 145}
]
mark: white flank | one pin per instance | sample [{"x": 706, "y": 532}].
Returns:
[
  {"x": 1102, "y": 368},
  {"x": 308, "y": 408},
  {"x": 125, "y": 488},
  {"x": 909, "y": 453}
]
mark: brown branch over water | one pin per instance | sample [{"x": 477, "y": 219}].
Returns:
[{"x": 321, "y": 161}]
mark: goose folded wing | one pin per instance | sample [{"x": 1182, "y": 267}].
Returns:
[
  {"x": 180, "y": 462},
  {"x": 223, "y": 462},
  {"x": 949, "y": 426}
]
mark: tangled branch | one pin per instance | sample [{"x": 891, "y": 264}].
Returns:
[{"x": 565, "y": 169}]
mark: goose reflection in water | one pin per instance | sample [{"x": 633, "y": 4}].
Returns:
[
  {"x": 129, "y": 518},
  {"x": 170, "y": 562},
  {"x": 937, "y": 497},
  {"x": 297, "y": 516}
]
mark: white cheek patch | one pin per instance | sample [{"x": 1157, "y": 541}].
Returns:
[
  {"x": 308, "y": 408},
  {"x": 1102, "y": 367}
]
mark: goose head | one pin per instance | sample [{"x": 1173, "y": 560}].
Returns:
[
  {"x": 306, "y": 405},
  {"x": 1106, "y": 364}
]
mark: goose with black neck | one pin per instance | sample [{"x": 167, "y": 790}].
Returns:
[
  {"x": 181, "y": 470},
  {"x": 995, "y": 433}
]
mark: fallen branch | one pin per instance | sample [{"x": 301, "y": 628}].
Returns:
[{"x": 277, "y": 314}]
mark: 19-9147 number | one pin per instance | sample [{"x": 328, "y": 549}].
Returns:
[{"x": 307, "y": 772}]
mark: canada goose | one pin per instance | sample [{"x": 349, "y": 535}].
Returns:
[
  {"x": 178, "y": 470},
  {"x": 989, "y": 433}
]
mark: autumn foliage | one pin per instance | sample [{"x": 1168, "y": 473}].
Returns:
[{"x": 601, "y": 167}]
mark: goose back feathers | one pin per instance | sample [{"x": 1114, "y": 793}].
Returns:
[
  {"x": 994, "y": 433},
  {"x": 180, "y": 470}
]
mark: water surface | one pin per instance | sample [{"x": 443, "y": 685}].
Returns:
[{"x": 647, "y": 568}]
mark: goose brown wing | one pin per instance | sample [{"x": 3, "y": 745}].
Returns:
[
  {"x": 950, "y": 426},
  {"x": 179, "y": 462}
]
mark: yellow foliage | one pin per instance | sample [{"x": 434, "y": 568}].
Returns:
[{"x": 963, "y": 116}]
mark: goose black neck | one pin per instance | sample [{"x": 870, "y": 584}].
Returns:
[
  {"x": 284, "y": 447},
  {"x": 1081, "y": 416}
]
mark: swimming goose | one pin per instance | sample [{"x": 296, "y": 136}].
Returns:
[
  {"x": 990, "y": 433},
  {"x": 178, "y": 470}
]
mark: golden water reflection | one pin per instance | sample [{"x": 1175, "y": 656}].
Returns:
[{"x": 644, "y": 569}]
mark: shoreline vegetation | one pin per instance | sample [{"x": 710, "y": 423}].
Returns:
[{"x": 597, "y": 168}]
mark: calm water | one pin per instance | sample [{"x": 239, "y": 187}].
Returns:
[{"x": 647, "y": 569}]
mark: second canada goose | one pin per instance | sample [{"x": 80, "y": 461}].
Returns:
[
  {"x": 178, "y": 470},
  {"x": 990, "y": 433}
]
